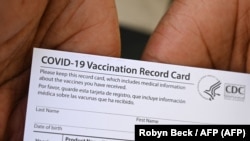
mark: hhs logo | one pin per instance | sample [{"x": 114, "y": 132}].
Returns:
[
  {"x": 209, "y": 87},
  {"x": 235, "y": 92}
]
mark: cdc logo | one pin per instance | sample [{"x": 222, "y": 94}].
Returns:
[
  {"x": 234, "y": 89},
  {"x": 235, "y": 92}
]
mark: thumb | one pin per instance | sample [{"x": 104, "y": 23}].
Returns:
[{"x": 194, "y": 33}]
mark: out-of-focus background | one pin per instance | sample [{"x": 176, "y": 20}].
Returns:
[{"x": 138, "y": 19}]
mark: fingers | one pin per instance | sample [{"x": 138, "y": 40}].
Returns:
[
  {"x": 19, "y": 20},
  {"x": 89, "y": 26},
  {"x": 194, "y": 33},
  {"x": 241, "y": 53},
  {"x": 18, "y": 24}
]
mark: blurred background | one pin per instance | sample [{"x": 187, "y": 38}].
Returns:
[{"x": 138, "y": 19}]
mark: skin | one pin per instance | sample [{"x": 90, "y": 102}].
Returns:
[
  {"x": 88, "y": 26},
  {"x": 211, "y": 34}
]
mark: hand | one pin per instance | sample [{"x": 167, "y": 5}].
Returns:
[
  {"x": 211, "y": 34},
  {"x": 88, "y": 26}
]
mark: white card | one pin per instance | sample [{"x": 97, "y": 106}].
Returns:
[{"x": 80, "y": 97}]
